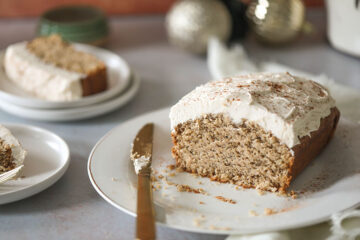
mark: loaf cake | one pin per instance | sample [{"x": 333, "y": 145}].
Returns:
[
  {"x": 257, "y": 131},
  {"x": 52, "y": 69},
  {"x": 12, "y": 154}
]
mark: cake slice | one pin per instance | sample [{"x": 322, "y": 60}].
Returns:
[
  {"x": 54, "y": 70},
  {"x": 12, "y": 154},
  {"x": 258, "y": 130}
]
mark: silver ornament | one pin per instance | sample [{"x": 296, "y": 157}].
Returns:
[{"x": 191, "y": 23}]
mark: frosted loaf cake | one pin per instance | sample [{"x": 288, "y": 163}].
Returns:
[{"x": 257, "y": 131}]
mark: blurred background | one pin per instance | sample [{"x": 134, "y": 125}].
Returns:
[{"x": 25, "y": 8}]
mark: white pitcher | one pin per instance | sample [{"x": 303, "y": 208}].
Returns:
[{"x": 343, "y": 25}]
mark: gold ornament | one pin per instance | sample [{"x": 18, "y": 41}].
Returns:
[
  {"x": 276, "y": 21},
  {"x": 190, "y": 24}
]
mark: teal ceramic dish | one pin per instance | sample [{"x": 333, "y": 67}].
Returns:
[{"x": 84, "y": 24}]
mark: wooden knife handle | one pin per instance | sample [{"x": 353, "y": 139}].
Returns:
[{"x": 145, "y": 221}]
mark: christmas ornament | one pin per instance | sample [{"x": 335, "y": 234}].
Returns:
[
  {"x": 191, "y": 23},
  {"x": 276, "y": 21}
]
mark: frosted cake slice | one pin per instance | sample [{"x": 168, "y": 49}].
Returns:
[
  {"x": 54, "y": 70},
  {"x": 12, "y": 154}
]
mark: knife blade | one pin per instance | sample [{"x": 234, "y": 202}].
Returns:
[{"x": 141, "y": 155}]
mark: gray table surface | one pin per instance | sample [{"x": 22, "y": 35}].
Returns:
[{"x": 71, "y": 209}]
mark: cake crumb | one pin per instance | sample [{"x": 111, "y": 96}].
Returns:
[
  {"x": 198, "y": 220},
  {"x": 202, "y": 191},
  {"x": 156, "y": 186},
  {"x": 170, "y": 183},
  {"x": 269, "y": 211},
  {"x": 200, "y": 182},
  {"x": 114, "y": 179},
  {"x": 171, "y": 166},
  {"x": 287, "y": 209},
  {"x": 253, "y": 213},
  {"x": 153, "y": 178},
  {"x": 195, "y": 175},
  {"x": 212, "y": 227},
  {"x": 260, "y": 192},
  {"x": 201, "y": 202},
  {"x": 172, "y": 174},
  {"x": 160, "y": 176},
  {"x": 187, "y": 188},
  {"x": 282, "y": 194},
  {"x": 293, "y": 194},
  {"x": 228, "y": 200}
]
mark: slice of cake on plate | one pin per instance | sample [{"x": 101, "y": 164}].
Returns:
[
  {"x": 258, "y": 130},
  {"x": 12, "y": 154},
  {"x": 54, "y": 70}
]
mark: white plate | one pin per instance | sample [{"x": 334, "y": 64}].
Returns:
[
  {"x": 334, "y": 178},
  {"x": 47, "y": 160},
  {"x": 118, "y": 79},
  {"x": 71, "y": 114}
]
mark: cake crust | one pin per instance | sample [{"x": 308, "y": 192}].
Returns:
[
  {"x": 95, "y": 82},
  {"x": 311, "y": 146}
]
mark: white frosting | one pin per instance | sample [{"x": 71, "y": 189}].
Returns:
[
  {"x": 287, "y": 106},
  {"x": 140, "y": 163},
  {"x": 17, "y": 152},
  {"x": 44, "y": 80}
]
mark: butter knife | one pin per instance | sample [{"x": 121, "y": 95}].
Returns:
[{"x": 141, "y": 155}]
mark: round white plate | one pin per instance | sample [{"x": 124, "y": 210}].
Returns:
[
  {"x": 71, "y": 114},
  {"x": 118, "y": 79},
  {"x": 47, "y": 160},
  {"x": 331, "y": 184}
]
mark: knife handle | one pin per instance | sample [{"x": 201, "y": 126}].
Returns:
[{"x": 145, "y": 221}]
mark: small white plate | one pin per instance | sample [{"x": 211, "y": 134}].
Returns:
[
  {"x": 331, "y": 183},
  {"x": 71, "y": 114},
  {"x": 118, "y": 79},
  {"x": 47, "y": 160}
]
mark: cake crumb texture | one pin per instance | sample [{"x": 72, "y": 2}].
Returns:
[
  {"x": 224, "y": 199},
  {"x": 6, "y": 159},
  {"x": 213, "y": 146}
]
